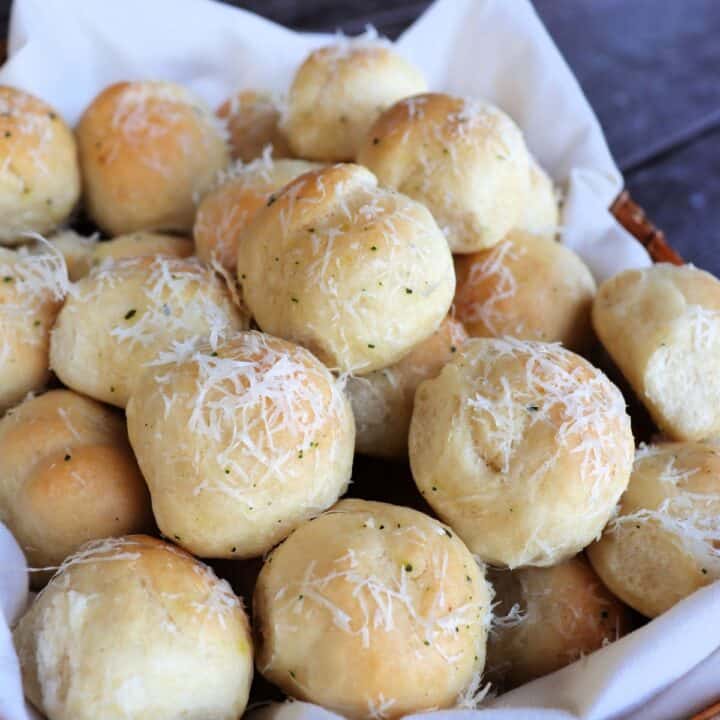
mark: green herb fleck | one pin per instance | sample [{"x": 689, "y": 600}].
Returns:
[
  {"x": 130, "y": 313},
  {"x": 407, "y": 567},
  {"x": 371, "y": 346},
  {"x": 408, "y": 291},
  {"x": 67, "y": 457}
]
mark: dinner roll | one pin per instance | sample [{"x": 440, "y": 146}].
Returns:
[
  {"x": 665, "y": 541},
  {"x": 132, "y": 629},
  {"x": 253, "y": 121},
  {"x": 523, "y": 448},
  {"x": 147, "y": 151},
  {"x": 661, "y": 326},
  {"x": 357, "y": 273},
  {"x": 139, "y": 244},
  {"x": 39, "y": 174},
  {"x": 226, "y": 211},
  {"x": 546, "y": 618},
  {"x": 68, "y": 476},
  {"x": 527, "y": 287},
  {"x": 541, "y": 213},
  {"x": 33, "y": 283},
  {"x": 123, "y": 314},
  {"x": 382, "y": 401},
  {"x": 463, "y": 158},
  {"x": 76, "y": 249},
  {"x": 372, "y": 610},
  {"x": 240, "y": 442},
  {"x": 339, "y": 91}
]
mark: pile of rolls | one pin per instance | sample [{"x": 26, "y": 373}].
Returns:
[{"x": 276, "y": 290}]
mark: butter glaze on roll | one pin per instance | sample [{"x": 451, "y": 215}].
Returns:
[
  {"x": 523, "y": 448},
  {"x": 463, "y": 158},
  {"x": 134, "y": 628},
  {"x": 372, "y": 608},
  {"x": 39, "y": 172},
  {"x": 354, "y": 272},
  {"x": 148, "y": 150}
]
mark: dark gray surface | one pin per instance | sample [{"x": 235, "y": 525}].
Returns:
[{"x": 651, "y": 69}]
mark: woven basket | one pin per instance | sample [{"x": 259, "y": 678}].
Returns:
[{"x": 632, "y": 217}]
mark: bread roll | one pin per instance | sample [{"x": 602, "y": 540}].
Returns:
[
  {"x": 39, "y": 174},
  {"x": 147, "y": 151},
  {"x": 523, "y": 448},
  {"x": 123, "y": 314},
  {"x": 541, "y": 213},
  {"x": 76, "y": 249},
  {"x": 33, "y": 283},
  {"x": 240, "y": 442},
  {"x": 227, "y": 210},
  {"x": 356, "y": 273},
  {"x": 463, "y": 158},
  {"x": 132, "y": 629},
  {"x": 528, "y": 287},
  {"x": 382, "y": 401},
  {"x": 372, "y": 610},
  {"x": 68, "y": 476},
  {"x": 546, "y": 618},
  {"x": 339, "y": 91},
  {"x": 665, "y": 541},
  {"x": 139, "y": 244},
  {"x": 253, "y": 121},
  {"x": 661, "y": 325}
]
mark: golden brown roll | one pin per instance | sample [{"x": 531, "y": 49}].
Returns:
[
  {"x": 541, "y": 215},
  {"x": 253, "y": 121},
  {"x": 68, "y": 476},
  {"x": 131, "y": 629},
  {"x": 372, "y": 610},
  {"x": 240, "y": 442},
  {"x": 463, "y": 158},
  {"x": 665, "y": 541},
  {"x": 148, "y": 150},
  {"x": 123, "y": 314},
  {"x": 661, "y": 326},
  {"x": 228, "y": 209},
  {"x": 523, "y": 448},
  {"x": 33, "y": 284},
  {"x": 339, "y": 91},
  {"x": 528, "y": 287},
  {"x": 546, "y": 618},
  {"x": 76, "y": 250},
  {"x": 356, "y": 273},
  {"x": 39, "y": 173},
  {"x": 382, "y": 401}
]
